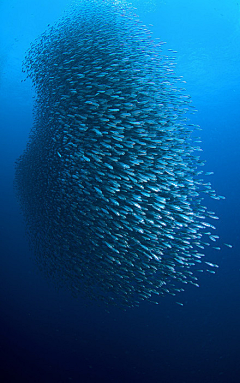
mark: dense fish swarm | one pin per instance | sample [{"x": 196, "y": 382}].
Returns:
[{"x": 109, "y": 182}]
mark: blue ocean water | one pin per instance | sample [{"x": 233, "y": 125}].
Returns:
[{"x": 46, "y": 335}]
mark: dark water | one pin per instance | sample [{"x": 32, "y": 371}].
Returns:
[{"x": 48, "y": 336}]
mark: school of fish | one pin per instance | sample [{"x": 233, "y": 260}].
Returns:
[{"x": 110, "y": 182}]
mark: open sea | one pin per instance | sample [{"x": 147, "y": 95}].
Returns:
[{"x": 48, "y": 334}]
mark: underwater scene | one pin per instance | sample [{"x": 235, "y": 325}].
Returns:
[{"x": 120, "y": 177}]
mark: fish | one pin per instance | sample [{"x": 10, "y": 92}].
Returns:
[{"x": 109, "y": 182}]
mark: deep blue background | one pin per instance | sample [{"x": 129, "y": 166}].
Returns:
[{"x": 48, "y": 336}]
